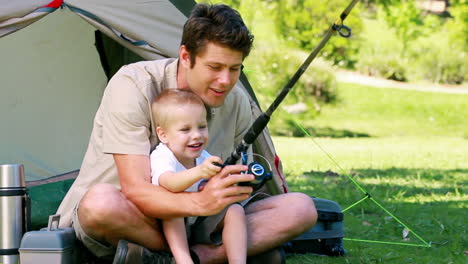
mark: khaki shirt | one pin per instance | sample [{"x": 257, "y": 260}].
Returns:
[{"x": 123, "y": 124}]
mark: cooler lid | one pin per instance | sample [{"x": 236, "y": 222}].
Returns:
[{"x": 58, "y": 239}]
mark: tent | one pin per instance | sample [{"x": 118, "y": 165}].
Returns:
[{"x": 57, "y": 57}]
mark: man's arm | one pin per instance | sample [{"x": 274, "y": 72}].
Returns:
[{"x": 155, "y": 201}]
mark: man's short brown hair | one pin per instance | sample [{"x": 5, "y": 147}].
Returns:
[{"x": 219, "y": 24}]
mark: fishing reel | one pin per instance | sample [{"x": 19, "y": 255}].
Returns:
[{"x": 258, "y": 170}]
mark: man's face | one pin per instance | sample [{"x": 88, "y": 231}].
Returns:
[
  {"x": 214, "y": 74},
  {"x": 185, "y": 132}
]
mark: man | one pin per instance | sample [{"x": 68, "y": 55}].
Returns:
[{"x": 113, "y": 199}]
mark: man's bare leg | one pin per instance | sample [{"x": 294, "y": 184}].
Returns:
[
  {"x": 105, "y": 214},
  {"x": 270, "y": 223}
]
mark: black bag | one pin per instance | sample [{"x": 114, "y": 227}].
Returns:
[{"x": 326, "y": 237}]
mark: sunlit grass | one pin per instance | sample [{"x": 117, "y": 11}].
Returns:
[
  {"x": 349, "y": 153},
  {"x": 416, "y": 169},
  {"x": 437, "y": 198},
  {"x": 421, "y": 183},
  {"x": 395, "y": 112},
  {"x": 405, "y": 182}
]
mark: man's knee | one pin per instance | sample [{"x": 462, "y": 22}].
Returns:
[
  {"x": 99, "y": 205},
  {"x": 302, "y": 210}
]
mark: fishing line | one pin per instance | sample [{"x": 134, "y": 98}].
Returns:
[
  {"x": 387, "y": 242},
  {"x": 367, "y": 195}
]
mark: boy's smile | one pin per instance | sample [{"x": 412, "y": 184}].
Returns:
[{"x": 186, "y": 132}]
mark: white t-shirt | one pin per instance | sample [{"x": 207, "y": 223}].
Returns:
[{"x": 163, "y": 160}]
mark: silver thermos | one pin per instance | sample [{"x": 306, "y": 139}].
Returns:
[{"x": 14, "y": 211}]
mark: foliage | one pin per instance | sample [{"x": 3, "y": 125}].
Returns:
[
  {"x": 432, "y": 48},
  {"x": 438, "y": 54},
  {"x": 445, "y": 53},
  {"x": 386, "y": 50},
  {"x": 381, "y": 56},
  {"x": 274, "y": 69},
  {"x": 393, "y": 39},
  {"x": 440, "y": 60},
  {"x": 319, "y": 83},
  {"x": 407, "y": 21},
  {"x": 304, "y": 22},
  {"x": 272, "y": 63},
  {"x": 457, "y": 26}
]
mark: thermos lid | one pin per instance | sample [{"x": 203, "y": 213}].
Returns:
[{"x": 12, "y": 176}]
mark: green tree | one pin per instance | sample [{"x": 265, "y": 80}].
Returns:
[
  {"x": 304, "y": 22},
  {"x": 407, "y": 21},
  {"x": 457, "y": 25}
]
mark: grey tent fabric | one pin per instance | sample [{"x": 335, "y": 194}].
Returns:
[
  {"x": 52, "y": 80},
  {"x": 51, "y": 86},
  {"x": 15, "y": 15},
  {"x": 137, "y": 32}
]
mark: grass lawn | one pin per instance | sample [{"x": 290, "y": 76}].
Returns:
[{"x": 415, "y": 164}]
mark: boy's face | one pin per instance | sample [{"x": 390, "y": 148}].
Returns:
[
  {"x": 185, "y": 132},
  {"x": 214, "y": 74}
]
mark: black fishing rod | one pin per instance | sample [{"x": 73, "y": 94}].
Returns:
[{"x": 261, "y": 122}]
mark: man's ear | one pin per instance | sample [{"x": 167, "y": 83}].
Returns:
[
  {"x": 161, "y": 135},
  {"x": 184, "y": 56}
]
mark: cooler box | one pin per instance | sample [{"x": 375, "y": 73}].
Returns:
[{"x": 49, "y": 245}]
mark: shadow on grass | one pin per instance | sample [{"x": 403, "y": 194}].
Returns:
[
  {"x": 431, "y": 202},
  {"x": 387, "y": 181},
  {"x": 293, "y": 131}
]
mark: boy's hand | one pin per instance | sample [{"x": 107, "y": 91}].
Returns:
[{"x": 208, "y": 169}]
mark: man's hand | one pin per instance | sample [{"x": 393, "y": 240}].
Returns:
[
  {"x": 221, "y": 190},
  {"x": 208, "y": 169}
]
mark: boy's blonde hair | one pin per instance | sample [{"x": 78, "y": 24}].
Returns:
[{"x": 161, "y": 106}]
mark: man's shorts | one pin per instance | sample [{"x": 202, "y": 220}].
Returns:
[
  {"x": 97, "y": 248},
  {"x": 203, "y": 231}
]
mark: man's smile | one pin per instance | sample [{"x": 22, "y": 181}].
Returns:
[{"x": 218, "y": 91}]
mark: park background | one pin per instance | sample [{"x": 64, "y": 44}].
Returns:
[
  {"x": 387, "y": 108},
  {"x": 404, "y": 142}
]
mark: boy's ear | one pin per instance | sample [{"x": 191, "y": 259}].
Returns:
[{"x": 161, "y": 135}]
